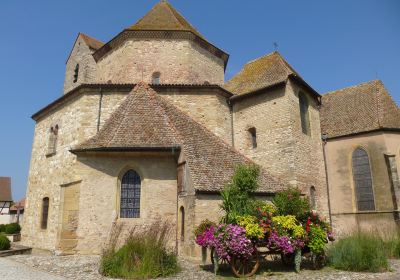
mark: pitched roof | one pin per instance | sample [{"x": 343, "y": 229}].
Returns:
[
  {"x": 361, "y": 108},
  {"x": 5, "y": 189},
  {"x": 260, "y": 73},
  {"x": 20, "y": 203},
  {"x": 139, "y": 122},
  {"x": 164, "y": 17},
  {"x": 211, "y": 161},
  {"x": 91, "y": 42}
]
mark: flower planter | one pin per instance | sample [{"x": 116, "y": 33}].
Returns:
[{"x": 14, "y": 237}]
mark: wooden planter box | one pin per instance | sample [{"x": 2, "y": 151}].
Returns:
[{"x": 14, "y": 237}]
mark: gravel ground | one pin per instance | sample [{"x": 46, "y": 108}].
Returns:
[{"x": 86, "y": 267}]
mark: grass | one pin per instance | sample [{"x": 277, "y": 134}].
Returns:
[
  {"x": 360, "y": 252},
  {"x": 144, "y": 255}
]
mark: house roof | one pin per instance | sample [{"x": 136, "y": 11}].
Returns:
[
  {"x": 5, "y": 189},
  {"x": 164, "y": 17},
  {"x": 211, "y": 161},
  {"x": 260, "y": 73},
  {"x": 91, "y": 42},
  {"x": 265, "y": 72},
  {"x": 356, "y": 109},
  {"x": 21, "y": 205},
  {"x": 162, "y": 21}
]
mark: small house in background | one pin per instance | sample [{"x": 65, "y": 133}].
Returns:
[
  {"x": 5, "y": 199},
  {"x": 17, "y": 211}
]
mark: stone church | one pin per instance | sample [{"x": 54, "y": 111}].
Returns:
[{"x": 147, "y": 128}]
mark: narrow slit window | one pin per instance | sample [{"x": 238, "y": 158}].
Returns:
[
  {"x": 76, "y": 73},
  {"x": 312, "y": 198},
  {"x": 182, "y": 210},
  {"x": 45, "y": 212},
  {"x": 52, "y": 144},
  {"x": 363, "y": 180},
  {"x": 130, "y": 195},
  {"x": 304, "y": 114},
  {"x": 253, "y": 137},
  {"x": 155, "y": 79}
]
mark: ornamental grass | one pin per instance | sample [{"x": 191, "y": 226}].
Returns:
[
  {"x": 144, "y": 255},
  {"x": 359, "y": 251}
]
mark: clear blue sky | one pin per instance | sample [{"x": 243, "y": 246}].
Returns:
[{"x": 332, "y": 44}]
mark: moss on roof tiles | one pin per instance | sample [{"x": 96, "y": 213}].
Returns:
[
  {"x": 260, "y": 73},
  {"x": 164, "y": 17},
  {"x": 356, "y": 109}
]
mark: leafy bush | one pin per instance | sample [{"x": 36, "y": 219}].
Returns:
[
  {"x": 359, "y": 252},
  {"x": 12, "y": 228},
  {"x": 144, "y": 255},
  {"x": 317, "y": 239},
  {"x": 290, "y": 202},
  {"x": 2, "y": 228},
  {"x": 288, "y": 225},
  {"x": 238, "y": 195},
  {"x": 392, "y": 246},
  {"x": 4, "y": 242}
]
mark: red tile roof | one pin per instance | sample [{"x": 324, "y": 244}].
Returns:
[
  {"x": 356, "y": 109},
  {"x": 164, "y": 17},
  {"x": 260, "y": 73},
  {"x": 5, "y": 189},
  {"x": 211, "y": 161}
]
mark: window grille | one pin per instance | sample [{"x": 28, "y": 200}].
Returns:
[
  {"x": 130, "y": 195},
  {"x": 363, "y": 180}
]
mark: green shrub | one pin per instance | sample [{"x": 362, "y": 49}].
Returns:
[
  {"x": 12, "y": 228},
  {"x": 4, "y": 242},
  {"x": 290, "y": 202},
  {"x": 143, "y": 256},
  {"x": 359, "y": 252},
  {"x": 393, "y": 247},
  {"x": 238, "y": 195},
  {"x": 2, "y": 228}
]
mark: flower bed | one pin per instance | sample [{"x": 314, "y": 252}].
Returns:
[{"x": 287, "y": 225}]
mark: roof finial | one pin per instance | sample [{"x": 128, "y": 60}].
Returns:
[{"x": 275, "y": 46}]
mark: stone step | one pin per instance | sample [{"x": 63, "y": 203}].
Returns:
[{"x": 16, "y": 250}]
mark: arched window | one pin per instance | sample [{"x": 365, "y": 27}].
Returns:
[
  {"x": 155, "y": 79},
  {"x": 45, "y": 212},
  {"x": 253, "y": 136},
  {"x": 312, "y": 198},
  {"x": 182, "y": 211},
  {"x": 52, "y": 145},
  {"x": 304, "y": 115},
  {"x": 76, "y": 73},
  {"x": 130, "y": 195},
  {"x": 363, "y": 180}
]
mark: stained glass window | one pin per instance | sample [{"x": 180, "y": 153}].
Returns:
[{"x": 130, "y": 195}]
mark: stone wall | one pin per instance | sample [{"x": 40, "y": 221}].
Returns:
[
  {"x": 99, "y": 196},
  {"x": 282, "y": 148},
  {"x": 82, "y": 55},
  {"x": 206, "y": 106},
  {"x": 342, "y": 190},
  {"x": 178, "y": 61},
  {"x": 308, "y": 159}
]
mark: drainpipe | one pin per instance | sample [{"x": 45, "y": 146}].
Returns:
[
  {"x": 99, "y": 113},
  {"x": 324, "y": 138},
  {"x": 231, "y": 113}
]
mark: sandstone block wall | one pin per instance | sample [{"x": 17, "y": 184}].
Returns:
[
  {"x": 341, "y": 183},
  {"x": 308, "y": 160},
  {"x": 100, "y": 193},
  {"x": 82, "y": 55},
  {"x": 178, "y": 61},
  {"x": 282, "y": 148}
]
